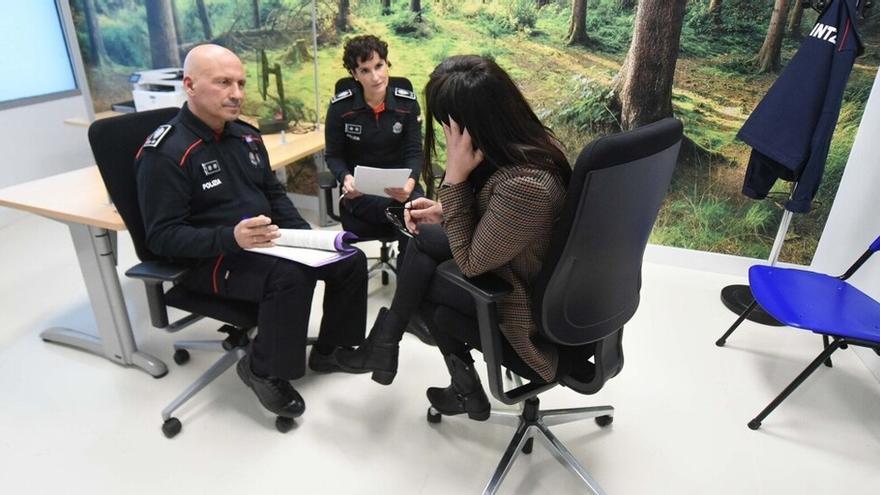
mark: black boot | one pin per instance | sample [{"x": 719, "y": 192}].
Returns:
[
  {"x": 378, "y": 353},
  {"x": 464, "y": 395}
]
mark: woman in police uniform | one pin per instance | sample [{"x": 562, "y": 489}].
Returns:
[{"x": 375, "y": 124}]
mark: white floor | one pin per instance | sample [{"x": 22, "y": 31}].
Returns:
[{"x": 72, "y": 423}]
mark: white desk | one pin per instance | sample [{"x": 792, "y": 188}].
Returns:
[{"x": 79, "y": 199}]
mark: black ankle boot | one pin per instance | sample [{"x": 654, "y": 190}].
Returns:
[
  {"x": 464, "y": 395},
  {"x": 378, "y": 353}
]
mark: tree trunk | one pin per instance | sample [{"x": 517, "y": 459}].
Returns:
[
  {"x": 342, "y": 16},
  {"x": 715, "y": 12},
  {"x": 256, "y": 4},
  {"x": 577, "y": 25},
  {"x": 206, "y": 21},
  {"x": 97, "y": 50},
  {"x": 386, "y": 7},
  {"x": 176, "y": 16},
  {"x": 644, "y": 84},
  {"x": 163, "y": 40},
  {"x": 415, "y": 5},
  {"x": 770, "y": 56},
  {"x": 794, "y": 20}
]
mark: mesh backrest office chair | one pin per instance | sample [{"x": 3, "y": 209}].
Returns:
[
  {"x": 115, "y": 142},
  {"x": 386, "y": 234},
  {"x": 588, "y": 287},
  {"x": 826, "y": 305}
]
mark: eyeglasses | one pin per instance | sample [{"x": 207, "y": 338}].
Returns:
[{"x": 395, "y": 216}]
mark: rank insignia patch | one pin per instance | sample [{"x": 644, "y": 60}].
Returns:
[
  {"x": 157, "y": 136},
  {"x": 211, "y": 168},
  {"x": 403, "y": 93},
  {"x": 341, "y": 96}
]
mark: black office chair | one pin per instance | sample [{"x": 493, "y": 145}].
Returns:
[
  {"x": 386, "y": 234},
  {"x": 588, "y": 287},
  {"x": 115, "y": 142}
]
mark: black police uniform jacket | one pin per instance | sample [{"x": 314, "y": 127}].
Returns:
[
  {"x": 357, "y": 135},
  {"x": 194, "y": 186}
]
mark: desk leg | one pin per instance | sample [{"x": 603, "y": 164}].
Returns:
[{"x": 97, "y": 260}]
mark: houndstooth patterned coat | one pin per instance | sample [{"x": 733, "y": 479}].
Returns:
[{"x": 505, "y": 229}]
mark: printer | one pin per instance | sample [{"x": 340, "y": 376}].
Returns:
[{"x": 157, "y": 88}]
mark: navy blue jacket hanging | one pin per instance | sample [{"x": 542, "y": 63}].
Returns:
[{"x": 790, "y": 130}]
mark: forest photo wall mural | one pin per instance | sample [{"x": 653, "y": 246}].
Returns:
[{"x": 589, "y": 68}]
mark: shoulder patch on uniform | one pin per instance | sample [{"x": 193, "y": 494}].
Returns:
[
  {"x": 404, "y": 93},
  {"x": 157, "y": 136},
  {"x": 342, "y": 95}
]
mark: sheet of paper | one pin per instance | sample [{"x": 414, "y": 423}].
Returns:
[
  {"x": 370, "y": 180},
  {"x": 311, "y": 257}
]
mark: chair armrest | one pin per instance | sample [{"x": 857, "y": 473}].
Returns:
[
  {"x": 327, "y": 183},
  {"x": 326, "y": 180},
  {"x": 487, "y": 290},
  {"x": 154, "y": 274},
  {"x": 486, "y": 287},
  {"x": 157, "y": 271}
]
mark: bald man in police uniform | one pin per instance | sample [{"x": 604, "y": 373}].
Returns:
[
  {"x": 206, "y": 193},
  {"x": 375, "y": 125}
]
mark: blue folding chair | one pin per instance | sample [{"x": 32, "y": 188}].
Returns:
[{"x": 829, "y": 306}]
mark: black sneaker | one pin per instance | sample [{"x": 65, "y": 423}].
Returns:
[
  {"x": 324, "y": 363},
  {"x": 417, "y": 327},
  {"x": 275, "y": 394}
]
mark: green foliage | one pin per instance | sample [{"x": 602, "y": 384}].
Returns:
[
  {"x": 522, "y": 14},
  {"x": 126, "y": 40},
  {"x": 609, "y": 29},
  {"x": 854, "y": 99},
  {"x": 710, "y": 223},
  {"x": 587, "y": 109},
  {"x": 503, "y": 18},
  {"x": 740, "y": 28},
  {"x": 758, "y": 217},
  {"x": 410, "y": 24},
  {"x": 489, "y": 20}
]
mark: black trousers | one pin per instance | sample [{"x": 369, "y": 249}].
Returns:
[
  {"x": 365, "y": 217},
  {"x": 284, "y": 289},
  {"x": 448, "y": 310}
]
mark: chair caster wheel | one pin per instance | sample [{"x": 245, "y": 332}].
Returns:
[
  {"x": 720, "y": 342},
  {"x": 384, "y": 277},
  {"x": 604, "y": 421},
  {"x": 284, "y": 424},
  {"x": 181, "y": 356},
  {"x": 527, "y": 447},
  {"x": 434, "y": 416},
  {"x": 754, "y": 425},
  {"x": 171, "y": 427}
]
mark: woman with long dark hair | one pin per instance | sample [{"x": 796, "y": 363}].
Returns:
[{"x": 502, "y": 191}]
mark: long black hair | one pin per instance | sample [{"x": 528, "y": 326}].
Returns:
[{"x": 480, "y": 96}]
